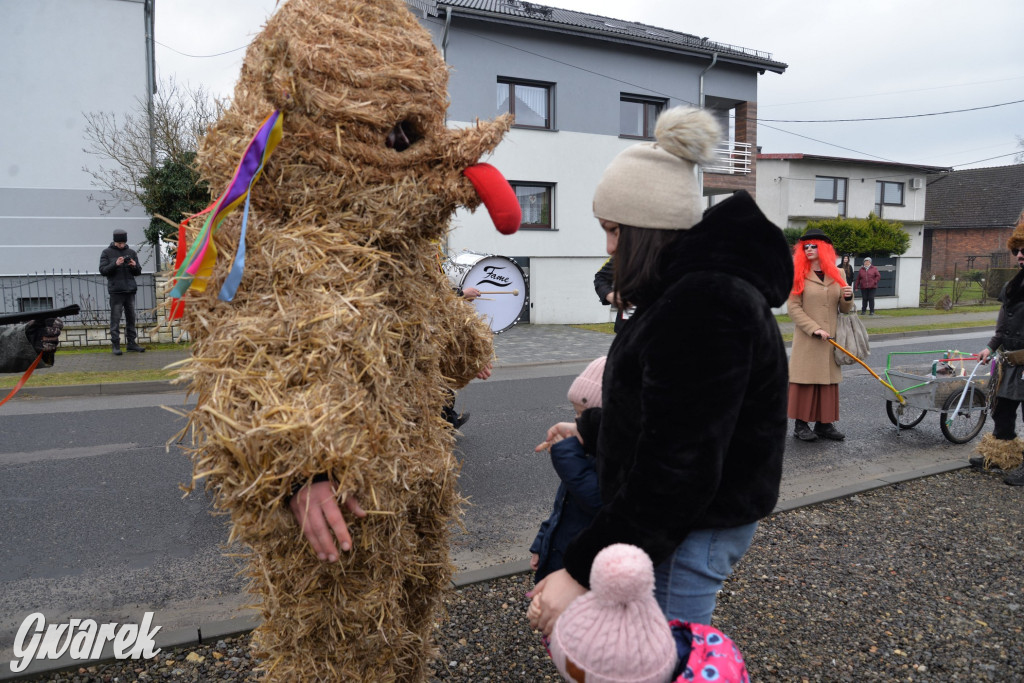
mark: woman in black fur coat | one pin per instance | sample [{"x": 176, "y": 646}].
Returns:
[{"x": 690, "y": 437}]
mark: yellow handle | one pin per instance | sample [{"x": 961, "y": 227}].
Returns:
[{"x": 834, "y": 343}]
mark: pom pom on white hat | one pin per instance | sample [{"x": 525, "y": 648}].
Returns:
[{"x": 654, "y": 184}]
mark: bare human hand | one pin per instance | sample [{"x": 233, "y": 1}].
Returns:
[
  {"x": 551, "y": 596},
  {"x": 823, "y": 334},
  {"x": 316, "y": 510},
  {"x": 556, "y": 433},
  {"x": 485, "y": 371}
]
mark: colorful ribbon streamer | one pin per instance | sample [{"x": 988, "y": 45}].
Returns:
[
  {"x": 198, "y": 264},
  {"x": 177, "y": 309}
]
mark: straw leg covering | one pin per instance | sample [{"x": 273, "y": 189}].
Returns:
[
  {"x": 336, "y": 355},
  {"x": 1006, "y": 454}
]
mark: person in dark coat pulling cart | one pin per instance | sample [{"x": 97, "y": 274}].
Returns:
[{"x": 1002, "y": 449}]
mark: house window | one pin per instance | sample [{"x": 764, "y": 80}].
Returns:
[
  {"x": 637, "y": 116},
  {"x": 829, "y": 189},
  {"x": 31, "y": 304},
  {"x": 535, "y": 202},
  {"x": 530, "y": 103},
  {"x": 887, "y": 193}
]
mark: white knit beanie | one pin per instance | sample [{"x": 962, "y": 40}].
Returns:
[{"x": 654, "y": 184}]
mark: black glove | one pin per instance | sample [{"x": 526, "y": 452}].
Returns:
[{"x": 45, "y": 336}]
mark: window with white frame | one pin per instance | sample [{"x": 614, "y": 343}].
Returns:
[
  {"x": 887, "y": 193},
  {"x": 536, "y": 203},
  {"x": 528, "y": 101},
  {"x": 637, "y": 116},
  {"x": 831, "y": 189}
]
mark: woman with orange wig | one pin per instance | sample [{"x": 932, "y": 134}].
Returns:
[{"x": 819, "y": 292}]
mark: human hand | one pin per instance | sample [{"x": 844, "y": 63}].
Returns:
[
  {"x": 822, "y": 333},
  {"x": 316, "y": 510},
  {"x": 534, "y": 561},
  {"x": 847, "y": 292},
  {"x": 556, "y": 433},
  {"x": 984, "y": 354},
  {"x": 120, "y": 260},
  {"x": 470, "y": 293},
  {"x": 551, "y": 596},
  {"x": 485, "y": 371}
]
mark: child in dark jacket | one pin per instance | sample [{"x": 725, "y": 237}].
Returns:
[{"x": 579, "y": 496}]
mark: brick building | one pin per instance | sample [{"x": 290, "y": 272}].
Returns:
[{"x": 968, "y": 218}]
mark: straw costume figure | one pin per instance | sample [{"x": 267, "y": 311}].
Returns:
[{"x": 334, "y": 356}]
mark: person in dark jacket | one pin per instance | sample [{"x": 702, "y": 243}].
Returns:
[
  {"x": 847, "y": 269},
  {"x": 579, "y": 495},
  {"x": 1002, "y": 449},
  {"x": 690, "y": 436},
  {"x": 867, "y": 281},
  {"x": 604, "y": 285},
  {"x": 120, "y": 264}
]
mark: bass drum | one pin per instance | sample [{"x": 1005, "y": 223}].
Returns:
[{"x": 501, "y": 283}]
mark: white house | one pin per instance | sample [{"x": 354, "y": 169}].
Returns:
[
  {"x": 795, "y": 188},
  {"x": 61, "y": 59},
  {"x": 583, "y": 88}
]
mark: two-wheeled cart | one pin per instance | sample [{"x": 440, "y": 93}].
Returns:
[{"x": 923, "y": 381}]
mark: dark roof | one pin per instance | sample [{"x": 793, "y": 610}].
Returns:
[
  {"x": 593, "y": 25},
  {"x": 793, "y": 156},
  {"x": 975, "y": 198}
]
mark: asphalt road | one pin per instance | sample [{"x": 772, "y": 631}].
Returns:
[{"x": 93, "y": 523}]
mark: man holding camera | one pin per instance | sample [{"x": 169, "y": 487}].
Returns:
[{"x": 120, "y": 264}]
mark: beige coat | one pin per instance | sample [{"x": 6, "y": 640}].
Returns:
[{"x": 812, "y": 360}]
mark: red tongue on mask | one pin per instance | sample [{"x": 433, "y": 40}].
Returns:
[{"x": 497, "y": 195}]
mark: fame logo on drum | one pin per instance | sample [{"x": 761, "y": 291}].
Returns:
[{"x": 494, "y": 278}]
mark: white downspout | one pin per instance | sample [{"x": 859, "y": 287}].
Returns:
[
  {"x": 444, "y": 34},
  {"x": 714, "y": 60}
]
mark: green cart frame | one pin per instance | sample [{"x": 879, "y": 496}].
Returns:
[{"x": 938, "y": 381}]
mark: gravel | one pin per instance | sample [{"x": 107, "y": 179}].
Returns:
[{"x": 920, "y": 581}]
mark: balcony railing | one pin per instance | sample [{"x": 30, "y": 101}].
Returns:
[{"x": 731, "y": 158}]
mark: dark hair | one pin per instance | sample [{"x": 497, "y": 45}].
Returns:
[{"x": 637, "y": 263}]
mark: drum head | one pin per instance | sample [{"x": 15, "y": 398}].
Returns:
[{"x": 501, "y": 283}]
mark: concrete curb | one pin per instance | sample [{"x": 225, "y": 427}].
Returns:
[
  {"x": 165, "y": 386},
  {"x": 217, "y": 630}
]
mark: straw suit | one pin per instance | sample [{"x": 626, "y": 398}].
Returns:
[
  {"x": 812, "y": 360},
  {"x": 335, "y": 356}
]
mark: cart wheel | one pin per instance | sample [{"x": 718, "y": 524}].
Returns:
[
  {"x": 963, "y": 425},
  {"x": 905, "y": 416}
]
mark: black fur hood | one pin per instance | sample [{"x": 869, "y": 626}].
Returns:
[{"x": 737, "y": 238}]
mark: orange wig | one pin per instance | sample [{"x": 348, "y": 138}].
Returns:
[{"x": 801, "y": 266}]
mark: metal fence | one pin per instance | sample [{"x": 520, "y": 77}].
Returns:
[{"x": 56, "y": 289}]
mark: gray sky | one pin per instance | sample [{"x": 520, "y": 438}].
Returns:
[{"x": 873, "y": 58}]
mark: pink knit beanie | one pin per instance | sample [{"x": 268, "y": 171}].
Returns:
[
  {"x": 616, "y": 633},
  {"x": 586, "y": 389}
]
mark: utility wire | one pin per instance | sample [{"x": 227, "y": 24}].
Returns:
[
  {"x": 890, "y": 92},
  {"x": 759, "y": 121},
  {"x": 184, "y": 54},
  {"x": 890, "y": 118}
]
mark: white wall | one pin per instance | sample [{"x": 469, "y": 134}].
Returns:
[
  {"x": 58, "y": 60},
  {"x": 562, "y": 261},
  {"x": 785, "y": 192}
]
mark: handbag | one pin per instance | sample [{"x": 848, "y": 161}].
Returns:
[{"x": 852, "y": 336}]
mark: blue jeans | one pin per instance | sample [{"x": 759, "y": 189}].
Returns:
[{"x": 686, "y": 585}]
